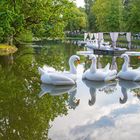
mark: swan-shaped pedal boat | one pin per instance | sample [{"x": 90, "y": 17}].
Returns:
[
  {"x": 95, "y": 74},
  {"x": 94, "y": 44},
  {"x": 128, "y": 73},
  {"x": 51, "y": 76}
]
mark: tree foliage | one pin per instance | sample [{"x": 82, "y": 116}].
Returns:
[
  {"x": 107, "y": 13},
  {"x": 41, "y": 18},
  {"x": 132, "y": 16},
  {"x": 77, "y": 19},
  {"x": 116, "y": 15},
  {"x": 90, "y": 15},
  {"x": 22, "y": 20}
]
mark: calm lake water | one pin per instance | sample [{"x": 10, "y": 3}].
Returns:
[{"x": 86, "y": 111}]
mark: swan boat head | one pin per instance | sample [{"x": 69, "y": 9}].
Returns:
[
  {"x": 92, "y": 57},
  {"x": 73, "y": 58},
  {"x": 126, "y": 62},
  {"x": 93, "y": 64},
  {"x": 125, "y": 57}
]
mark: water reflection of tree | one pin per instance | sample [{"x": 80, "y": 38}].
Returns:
[
  {"x": 6, "y": 61},
  {"x": 87, "y": 63},
  {"x": 116, "y": 63},
  {"x": 23, "y": 115},
  {"x": 56, "y": 55},
  {"x": 110, "y": 89},
  {"x": 137, "y": 93},
  {"x": 135, "y": 62},
  {"x": 51, "y": 56}
]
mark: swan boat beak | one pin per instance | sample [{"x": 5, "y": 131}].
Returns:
[{"x": 78, "y": 61}]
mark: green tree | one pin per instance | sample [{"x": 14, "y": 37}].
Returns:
[
  {"x": 107, "y": 13},
  {"x": 88, "y": 5},
  {"x": 41, "y": 18},
  {"x": 132, "y": 15},
  {"x": 90, "y": 15},
  {"x": 77, "y": 19}
]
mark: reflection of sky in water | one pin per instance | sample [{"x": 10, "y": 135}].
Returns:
[{"x": 106, "y": 119}]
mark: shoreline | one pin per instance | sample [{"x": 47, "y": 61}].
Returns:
[{"x": 7, "y": 49}]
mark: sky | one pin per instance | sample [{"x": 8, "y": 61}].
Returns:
[{"x": 80, "y": 3}]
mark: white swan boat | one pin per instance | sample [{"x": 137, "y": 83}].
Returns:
[
  {"x": 60, "y": 78},
  {"x": 128, "y": 73},
  {"x": 94, "y": 44},
  {"x": 95, "y": 74}
]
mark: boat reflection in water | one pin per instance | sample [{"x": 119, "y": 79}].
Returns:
[
  {"x": 125, "y": 86},
  {"x": 95, "y": 86},
  {"x": 60, "y": 90}
]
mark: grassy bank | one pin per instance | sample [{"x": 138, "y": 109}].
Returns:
[{"x": 7, "y": 49}]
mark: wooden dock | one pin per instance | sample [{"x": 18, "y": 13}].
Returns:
[
  {"x": 109, "y": 52},
  {"x": 114, "y": 52}
]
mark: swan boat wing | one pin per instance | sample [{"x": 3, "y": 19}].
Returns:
[
  {"x": 48, "y": 69},
  {"x": 106, "y": 68},
  {"x": 56, "y": 79},
  {"x": 130, "y": 74},
  {"x": 137, "y": 78}
]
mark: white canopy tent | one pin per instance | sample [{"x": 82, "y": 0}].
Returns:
[
  {"x": 128, "y": 37},
  {"x": 100, "y": 37},
  {"x": 85, "y": 36},
  {"x": 90, "y": 36},
  {"x": 114, "y": 37},
  {"x": 96, "y": 36}
]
